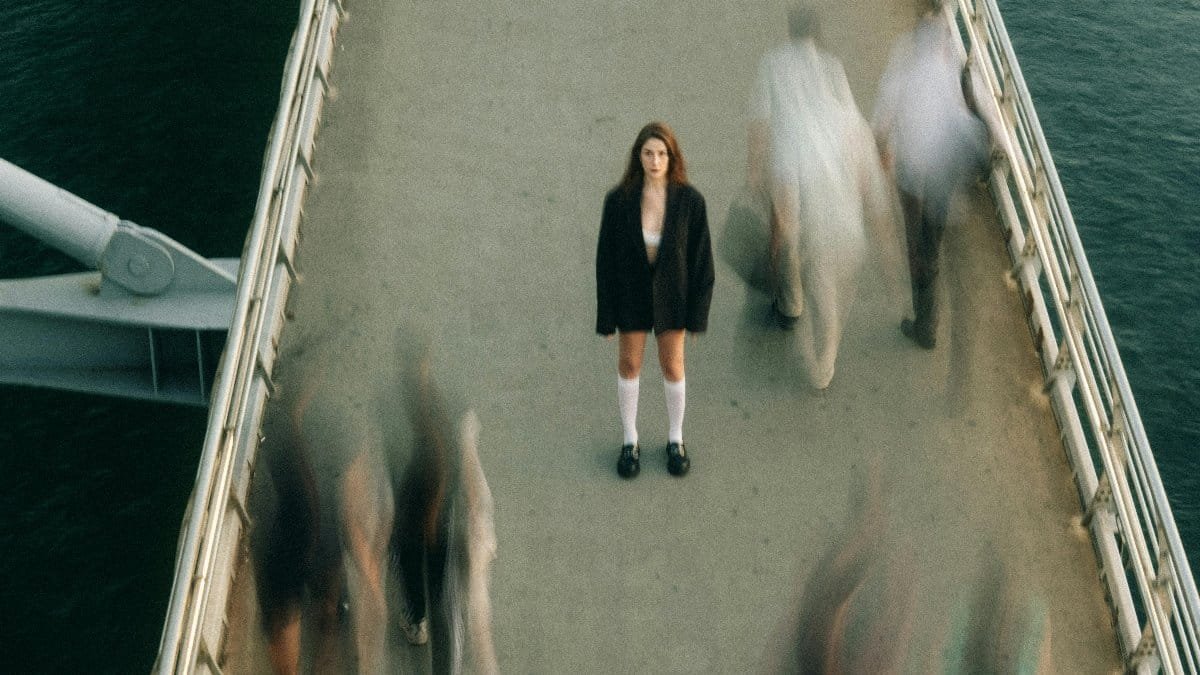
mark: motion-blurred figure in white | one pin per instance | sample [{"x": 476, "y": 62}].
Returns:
[
  {"x": 811, "y": 153},
  {"x": 933, "y": 142}
]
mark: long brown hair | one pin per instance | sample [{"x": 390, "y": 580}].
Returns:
[{"x": 676, "y": 167}]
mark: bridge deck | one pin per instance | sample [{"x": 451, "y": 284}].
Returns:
[{"x": 460, "y": 171}]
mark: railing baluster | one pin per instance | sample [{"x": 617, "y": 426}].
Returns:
[
  {"x": 244, "y": 380},
  {"x": 1129, "y": 492}
]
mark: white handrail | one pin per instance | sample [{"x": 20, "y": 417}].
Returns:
[
  {"x": 208, "y": 544},
  {"x": 1073, "y": 335},
  {"x": 1134, "y": 533}
]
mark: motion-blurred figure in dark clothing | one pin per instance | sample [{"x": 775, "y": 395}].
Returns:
[
  {"x": 321, "y": 550},
  {"x": 856, "y": 611},
  {"x": 861, "y": 609},
  {"x": 367, "y": 482},
  {"x": 933, "y": 143}
]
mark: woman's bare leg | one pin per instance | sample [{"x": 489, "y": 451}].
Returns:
[
  {"x": 670, "y": 354},
  {"x": 629, "y": 353}
]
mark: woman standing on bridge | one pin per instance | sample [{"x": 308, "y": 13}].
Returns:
[{"x": 654, "y": 271}]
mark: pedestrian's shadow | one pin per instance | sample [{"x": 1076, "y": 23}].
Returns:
[{"x": 764, "y": 354}]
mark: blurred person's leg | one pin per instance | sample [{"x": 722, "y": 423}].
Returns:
[
  {"x": 785, "y": 247},
  {"x": 828, "y": 287},
  {"x": 366, "y": 511},
  {"x": 923, "y": 225}
]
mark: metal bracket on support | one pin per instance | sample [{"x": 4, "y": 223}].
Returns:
[
  {"x": 1116, "y": 424},
  {"x": 1037, "y": 189},
  {"x": 1006, "y": 92},
  {"x": 1063, "y": 367},
  {"x": 1027, "y": 258},
  {"x": 1144, "y": 656},
  {"x": 1165, "y": 572},
  {"x": 1101, "y": 501},
  {"x": 1029, "y": 252},
  {"x": 150, "y": 325}
]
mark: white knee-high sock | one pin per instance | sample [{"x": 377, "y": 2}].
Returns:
[
  {"x": 676, "y": 396},
  {"x": 627, "y": 399}
]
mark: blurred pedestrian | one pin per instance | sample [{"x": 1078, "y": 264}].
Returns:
[
  {"x": 810, "y": 153},
  {"x": 366, "y": 482},
  {"x": 654, "y": 271},
  {"x": 933, "y": 143}
]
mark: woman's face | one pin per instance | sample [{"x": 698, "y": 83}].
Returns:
[{"x": 655, "y": 160}]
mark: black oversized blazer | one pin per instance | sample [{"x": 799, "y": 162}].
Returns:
[{"x": 676, "y": 291}]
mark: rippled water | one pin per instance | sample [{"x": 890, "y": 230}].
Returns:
[
  {"x": 160, "y": 114},
  {"x": 1117, "y": 89}
]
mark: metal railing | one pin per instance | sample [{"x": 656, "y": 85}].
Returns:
[
  {"x": 209, "y": 544},
  {"x": 1145, "y": 571},
  {"x": 1143, "y": 566}
]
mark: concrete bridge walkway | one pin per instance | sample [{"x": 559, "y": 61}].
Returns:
[{"x": 460, "y": 169}]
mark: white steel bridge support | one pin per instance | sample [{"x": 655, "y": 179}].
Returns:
[{"x": 150, "y": 324}]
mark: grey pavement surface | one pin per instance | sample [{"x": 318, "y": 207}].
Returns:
[{"x": 461, "y": 167}]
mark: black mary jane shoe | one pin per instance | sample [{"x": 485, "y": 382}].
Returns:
[
  {"x": 677, "y": 459},
  {"x": 628, "y": 465}
]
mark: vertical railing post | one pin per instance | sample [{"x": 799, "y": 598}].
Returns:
[
  {"x": 244, "y": 381},
  {"x": 1126, "y": 511}
]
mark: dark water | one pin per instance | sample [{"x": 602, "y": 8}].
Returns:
[
  {"x": 1117, "y": 89},
  {"x": 160, "y": 114}
]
